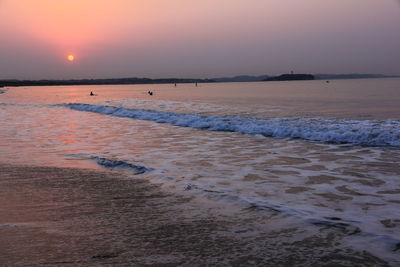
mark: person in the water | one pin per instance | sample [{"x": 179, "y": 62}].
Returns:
[{"x": 91, "y": 93}]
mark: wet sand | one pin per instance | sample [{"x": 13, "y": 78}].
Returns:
[{"x": 76, "y": 217}]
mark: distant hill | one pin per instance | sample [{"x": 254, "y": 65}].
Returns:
[
  {"x": 100, "y": 81},
  {"x": 350, "y": 76},
  {"x": 291, "y": 77},
  {"x": 242, "y": 78}
]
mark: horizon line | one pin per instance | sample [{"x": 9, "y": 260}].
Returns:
[{"x": 206, "y": 78}]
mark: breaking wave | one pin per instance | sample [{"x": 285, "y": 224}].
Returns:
[
  {"x": 338, "y": 131},
  {"x": 112, "y": 163},
  {"x": 120, "y": 164}
]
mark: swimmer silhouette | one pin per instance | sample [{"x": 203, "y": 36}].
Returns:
[
  {"x": 91, "y": 93},
  {"x": 150, "y": 92}
]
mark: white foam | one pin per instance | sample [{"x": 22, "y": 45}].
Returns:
[
  {"x": 339, "y": 131},
  {"x": 168, "y": 105}
]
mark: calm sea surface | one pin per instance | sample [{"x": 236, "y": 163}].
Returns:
[{"x": 310, "y": 153}]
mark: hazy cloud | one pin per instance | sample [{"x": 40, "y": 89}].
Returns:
[{"x": 205, "y": 38}]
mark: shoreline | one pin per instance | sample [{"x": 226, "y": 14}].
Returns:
[{"x": 80, "y": 217}]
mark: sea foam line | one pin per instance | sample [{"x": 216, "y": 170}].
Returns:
[
  {"x": 349, "y": 227},
  {"x": 339, "y": 131}
]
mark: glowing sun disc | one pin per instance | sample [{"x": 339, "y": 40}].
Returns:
[{"x": 71, "y": 58}]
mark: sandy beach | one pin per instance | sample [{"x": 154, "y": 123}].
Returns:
[{"x": 77, "y": 217}]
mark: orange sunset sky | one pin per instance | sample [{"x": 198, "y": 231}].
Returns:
[{"x": 207, "y": 38}]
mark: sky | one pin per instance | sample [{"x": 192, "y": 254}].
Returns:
[{"x": 196, "y": 38}]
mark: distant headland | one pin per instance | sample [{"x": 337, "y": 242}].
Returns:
[
  {"x": 291, "y": 77},
  {"x": 240, "y": 78}
]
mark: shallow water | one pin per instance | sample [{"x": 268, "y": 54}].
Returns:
[{"x": 311, "y": 153}]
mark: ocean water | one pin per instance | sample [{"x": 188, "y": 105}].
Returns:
[{"x": 310, "y": 153}]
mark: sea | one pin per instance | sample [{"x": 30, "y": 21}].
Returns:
[{"x": 312, "y": 154}]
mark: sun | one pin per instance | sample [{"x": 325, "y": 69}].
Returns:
[{"x": 71, "y": 57}]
